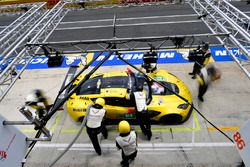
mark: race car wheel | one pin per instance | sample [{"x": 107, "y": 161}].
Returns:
[
  {"x": 80, "y": 119},
  {"x": 171, "y": 119}
]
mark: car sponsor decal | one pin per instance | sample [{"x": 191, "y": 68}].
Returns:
[
  {"x": 127, "y": 116},
  {"x": 78, "y": 110},
  {"x": 164, "y": 57},
  {"x": 160, "y": 78}
]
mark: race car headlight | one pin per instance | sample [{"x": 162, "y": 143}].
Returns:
[{"x": 183, "y": 106}]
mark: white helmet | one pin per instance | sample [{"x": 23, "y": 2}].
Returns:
[{"x": 31, "y": 99}]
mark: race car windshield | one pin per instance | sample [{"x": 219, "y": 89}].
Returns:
[
  {"x": 91, "y": 86},
  {"x": 115, "y": 82},
  {"x": 160, "y": 90}
]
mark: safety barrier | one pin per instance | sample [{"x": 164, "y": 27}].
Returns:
[
  {"x": 52, "y": 3},
  {"x": 140, "y": 1}
]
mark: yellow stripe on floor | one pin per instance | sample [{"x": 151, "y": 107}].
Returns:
[
  {"x": 226, "y": 128},
  {"x": 167, "y": 129}
]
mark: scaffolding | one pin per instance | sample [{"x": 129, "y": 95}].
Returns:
[
  {"x": 13, "y": 33},
  {"x": 222, "y": 17},
  {"x": 20, "y": 55}
]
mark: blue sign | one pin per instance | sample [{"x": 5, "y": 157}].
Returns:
[
  {"x": 164, "y": 57},
  {"x": 41, "y": 62},
  {"x": 221, "y": 54},
  {"x": 136, "y": 58}
]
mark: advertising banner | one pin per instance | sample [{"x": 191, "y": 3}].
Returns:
[
  {"x": 242, "y": 142},
  {"x": 219, "y": 54}
]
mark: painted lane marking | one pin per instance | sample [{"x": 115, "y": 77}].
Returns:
[
  {"x": 54, "y": 126},
  {"x": 115, "y": 149},
  {"x": 173, "y": 129},
  {"x": 193, "y": 132},
  {"x": 126, "y": 25},
  {"x": 129, "y": 18},
  {"x": 140, "y": 145},
  {"x": 86, "y": 27},
  {"x": 196, "y": 127},
  {"x": 52, "y": 129},
  {"x": 226, "y": 128}
]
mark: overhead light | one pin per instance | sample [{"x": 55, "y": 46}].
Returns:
[
  {"x": 204, "y": 15},
  {"x": 150, "y": 61},
  {"x": 178, "y": 41},
  {"x": 82, "y": 4},
  {"x": 55, "y": 61}
]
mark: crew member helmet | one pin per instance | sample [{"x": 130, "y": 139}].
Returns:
[
  {"x": 38, "y": 93},
  {"x": 31, "y": 99},
  {"x": 100, "y": 101},
  {"x": 124, "y": 127}
]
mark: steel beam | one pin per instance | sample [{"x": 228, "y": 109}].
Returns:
[
  {"x": 217, "y": 20},
  {"x": 19, "y": 53}
]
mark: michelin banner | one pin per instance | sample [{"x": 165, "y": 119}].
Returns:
[{"x": 164, "y": 57}]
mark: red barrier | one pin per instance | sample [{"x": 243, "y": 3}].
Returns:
[
  {"x": 52, "y": 2},
  {"x": 140, "y": 1}
]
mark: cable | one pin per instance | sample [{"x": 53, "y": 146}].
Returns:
[
  {"x": 72, "y": 142},
  {"x": 77, "y": 75},
  {"x": 84, "y": 120},
  {"x": 85, "y": 67},
  {"x": 119, "y": 56},
  {"x": 211, "y": 123}
]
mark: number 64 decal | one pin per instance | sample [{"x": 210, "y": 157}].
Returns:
[{"x": 239, "y": 141}]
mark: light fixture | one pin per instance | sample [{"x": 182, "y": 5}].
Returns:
[
  {"x": 55, "y": 61},
  {"x": 150, "y": 61}
]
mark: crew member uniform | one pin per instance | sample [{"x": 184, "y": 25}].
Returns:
[
  {"x": 95, "y": 125},
  {"x": 142, "y": 113},
  {"x": 127, "y": 142},
  {"x": 207, "y": 74},
  {"x": 36, "y": 100},
  {"x": 200, "y": 63}
]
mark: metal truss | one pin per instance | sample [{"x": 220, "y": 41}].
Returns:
[
  {"x": 20, "y": 55},
  {"x": 241, "y": 20},
  {"x": 222, "y": 17},
  {"x": 125, "y": 44},
  {"x": 13, "y": 33}
]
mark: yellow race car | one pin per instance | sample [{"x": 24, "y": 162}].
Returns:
[{"x": 115, "y": 88}]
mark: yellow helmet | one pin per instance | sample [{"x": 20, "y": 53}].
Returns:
[
  {"x": 100, "y": 101},
  {"x": 124, "y": 127}
]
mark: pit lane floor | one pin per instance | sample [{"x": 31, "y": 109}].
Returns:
[{"x": 194, "y": 143}]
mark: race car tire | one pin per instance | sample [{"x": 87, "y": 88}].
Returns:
[
  {"x": 80, "y": 119},
  {"x": 171, "y": 119}
]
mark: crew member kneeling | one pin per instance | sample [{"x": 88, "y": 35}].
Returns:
[
  {"x": 127, "y": 142},
  {"x": 38, "y": 103}
]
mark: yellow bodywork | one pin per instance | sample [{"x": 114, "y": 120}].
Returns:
[{"x": 161, "y": 105}]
